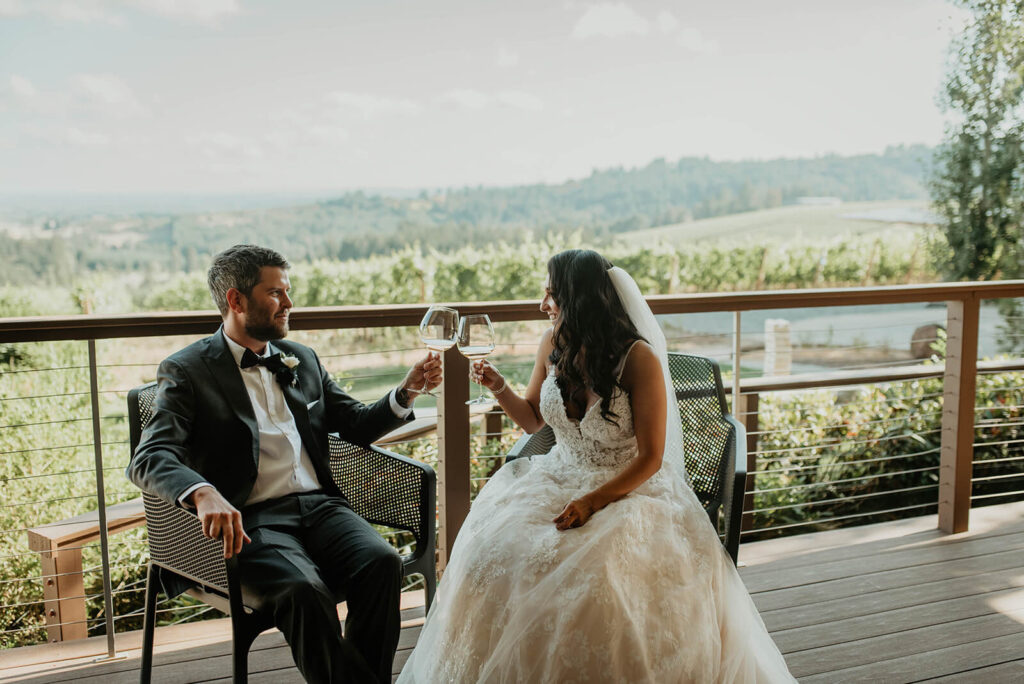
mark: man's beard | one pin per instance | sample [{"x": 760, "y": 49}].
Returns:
[{"x": 261, "y": 326}]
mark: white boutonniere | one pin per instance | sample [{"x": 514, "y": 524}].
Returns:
[{"x": 284, "y": 370}]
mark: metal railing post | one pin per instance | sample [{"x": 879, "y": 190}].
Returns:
[
  {"x": 97, "y": 441},
  {"x": 736, "y": 357},
  {"x": 453, "y": 452},
  {"x": 749, "y": 416},
  {"x": 959, "y": 381}
]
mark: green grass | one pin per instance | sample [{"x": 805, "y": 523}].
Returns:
[{"x": 781, "y": 223}]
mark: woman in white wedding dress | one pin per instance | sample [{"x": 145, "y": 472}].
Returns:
[{"x": 594, "y": 562}]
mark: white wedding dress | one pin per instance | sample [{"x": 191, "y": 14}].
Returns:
[{"x": 643, "y": 592}]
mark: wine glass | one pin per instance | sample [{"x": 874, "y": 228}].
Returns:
[
  {"x": 438, "y": 330},
  {"x": 476, "y": 341}
]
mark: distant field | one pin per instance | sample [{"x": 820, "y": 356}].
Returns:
[{"x": 782, "y": 223}]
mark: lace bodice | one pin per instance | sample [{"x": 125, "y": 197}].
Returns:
[{"x": 592, "y": 440}]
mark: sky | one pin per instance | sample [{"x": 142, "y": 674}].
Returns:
[{"x": 321, "y": 96}]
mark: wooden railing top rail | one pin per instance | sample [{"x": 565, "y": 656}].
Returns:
[{"x": 85, "y": 327}]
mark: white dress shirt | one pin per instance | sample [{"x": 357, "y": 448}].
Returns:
[{"x": 284, "y": 466}]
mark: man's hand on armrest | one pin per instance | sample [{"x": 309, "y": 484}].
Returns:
[{"x": 220, "y": 519}]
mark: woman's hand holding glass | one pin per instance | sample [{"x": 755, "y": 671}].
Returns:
[
  {"x": 483, "y": 372},
  {"x": 475, "y": 341}
]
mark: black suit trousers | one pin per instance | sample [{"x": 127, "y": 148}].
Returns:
[{"x": 308, "y": 552}]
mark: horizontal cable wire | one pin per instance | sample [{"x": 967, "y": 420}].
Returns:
[
  {"x": 885, "y": 364},
  {"x": 824, "y": 484},
  {"x": 866, "y": 402},
  {"x": 69, "y": 446},
  {"x": 61, "y": 473},
  {"x": 993, "y": 461},
  {"x": 997, "y": 390},
  {"x": 42, "y": 370},
  {"x": 976, "y": 497},
  {"x": 990, "y": 478},
  {"x": 1002, "y": 443},
  {"x": 45, "y": 422},
  {"x": 846, "y": 498},
  {"x": 46, "y": 501},
  {"x": 817, "y": 457},
  {"x": 985, "y": 426},
  {"x": 841, "y": 442},
  {"x": 998, "y": 408},
  {"x": 46, "y": 396},
  {"x": 857, "y": 423},
  {"x": 367, "y": 353},
  {"x": 822, "y": 521},
  {"x": 845, "y": 463}
]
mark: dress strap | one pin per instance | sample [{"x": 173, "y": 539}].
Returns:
[{"x": 622, "y": 361}]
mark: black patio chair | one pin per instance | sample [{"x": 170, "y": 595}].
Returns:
[
  {"x": 715, "y": 443},
  {"x": 383, "y": 487}
]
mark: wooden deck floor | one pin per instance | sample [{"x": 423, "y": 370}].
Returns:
[{"x": 888, "y": 603}]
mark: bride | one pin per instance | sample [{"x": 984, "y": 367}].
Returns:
[{"x": 594, "y": 562}]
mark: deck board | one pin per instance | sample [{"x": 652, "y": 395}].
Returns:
[
  {"x": 948, "y": 661},
  {"x": 891, "y": 603},
  {"x": 1011, "y": 672},
  {"x": 878, "y": 601}
]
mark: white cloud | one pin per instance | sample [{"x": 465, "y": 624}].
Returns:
[
  {"x": 520, "y": 100},
  {"x": 80, "y": 11},
  {"x": 617, "y": 20},
  {"x": 369, "y": 105},
  {"x": 666, "y": 21},
  {"x": 107, "y": 93},
  {"x": 507, "y": 58},
  {"x": 610, "y": 20},
  {"x": 202, "y": 11},
  {"x": 68, "y": 135},
  {"x": 328, "y": 135},
  {"x": 476, "y": 99},
  {"x": 220, "y": 146},
  {"x": 470, "y": 99},
  {"x": 113, "y": 11},
  {"x": 694, "y": 41},
  {"x": 22, "y": 88},
  {"x": 76, "y": 136}
]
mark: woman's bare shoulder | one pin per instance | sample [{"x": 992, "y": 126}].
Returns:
[
  {"x": 642, "y": 365},
  {"x": 547, "y": 341}
]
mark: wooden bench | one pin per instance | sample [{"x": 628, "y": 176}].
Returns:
[{"x": 60, "y": 553}]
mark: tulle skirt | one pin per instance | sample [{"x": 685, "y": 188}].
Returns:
[{"x": 644, "y": 592}]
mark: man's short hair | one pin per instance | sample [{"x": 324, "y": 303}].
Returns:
[{"x": 239, "y": 267}]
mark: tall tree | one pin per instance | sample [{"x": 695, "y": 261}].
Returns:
[{"x": 977, "y": 186}]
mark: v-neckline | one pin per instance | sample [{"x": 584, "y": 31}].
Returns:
[
  {"x": 579, "y": 421},
  {"x": 565, "y": 410}
]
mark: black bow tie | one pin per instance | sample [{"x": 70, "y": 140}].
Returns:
[{"x": 272, "y": 363}]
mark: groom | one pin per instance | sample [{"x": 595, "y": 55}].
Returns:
[{"x": 239, "y": 433}]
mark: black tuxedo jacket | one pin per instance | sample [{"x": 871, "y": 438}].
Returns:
[{"x": 204, "y": 429}]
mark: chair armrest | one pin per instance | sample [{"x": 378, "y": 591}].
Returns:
[
  {"x": 732, "y": 503},
  {"x": 387, "y": 489},
  {"x": 177, "y": 543},
  {"x": 539, "y": 442}
]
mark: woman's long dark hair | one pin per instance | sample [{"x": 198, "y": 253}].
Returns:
[{"x": 592, "y": 330}]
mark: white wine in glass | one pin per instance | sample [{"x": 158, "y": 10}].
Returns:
[
  {"x": 476, "y": 341},
  {"x": 438, "y": 330}
]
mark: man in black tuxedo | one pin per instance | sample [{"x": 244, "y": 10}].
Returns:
[{"x": 239, "y": 432}]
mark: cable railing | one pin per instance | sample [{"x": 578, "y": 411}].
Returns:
[{"x": 914, "y": 433}]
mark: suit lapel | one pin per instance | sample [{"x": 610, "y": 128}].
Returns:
[
  {"x": 223, "y": 368},
  {"x": 296, "y": 401}
]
